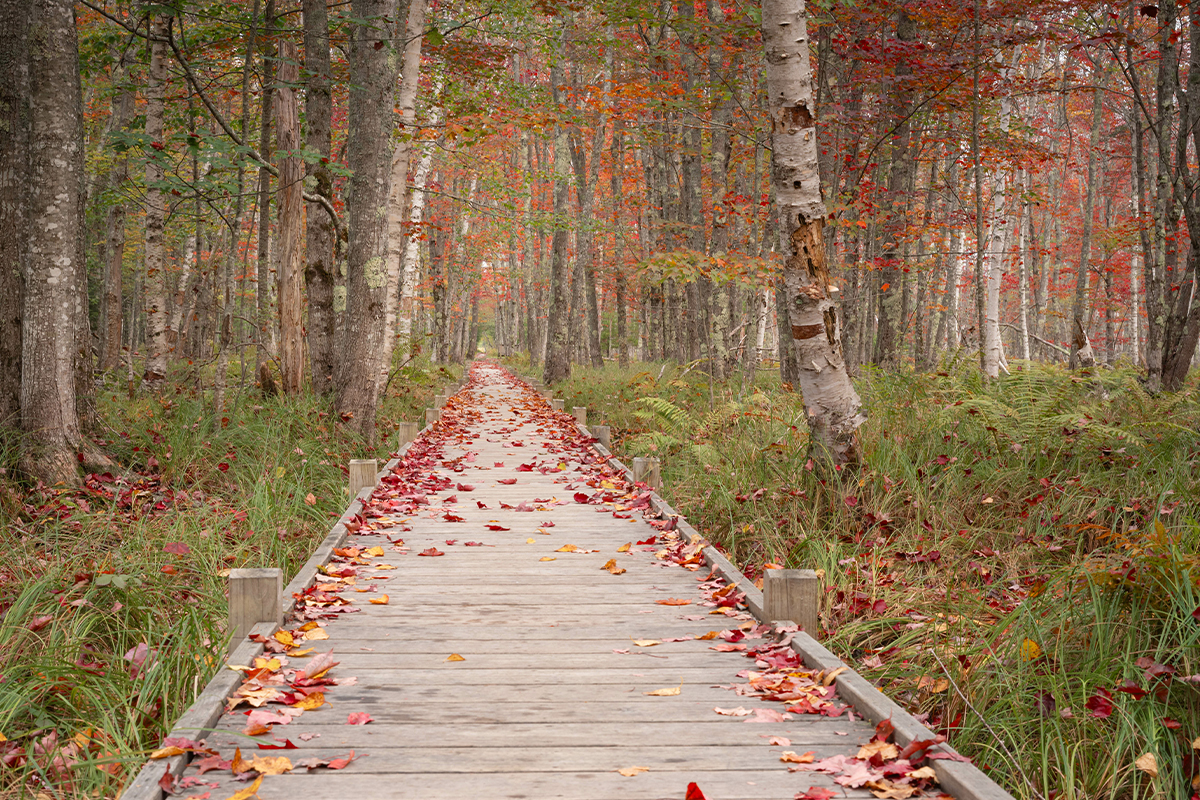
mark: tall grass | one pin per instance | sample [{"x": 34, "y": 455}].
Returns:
[
  {"x": 1010, "y": 548},
  {"x": 113, "y": 599}
]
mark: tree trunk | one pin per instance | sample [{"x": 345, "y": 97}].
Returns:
[
  {"x": 114, "y": 232},
  {"x": 54, "y": 266},
  {"x": 406, "y": 101},
  {"x": 1079, "y": 309},
  {"x": 372, "y": 78},
  {"x": 157, "y": 318},
  {"x": 291, "y": 209},
  {"x": 558, "y": 353},
  {"x": 320, "y": 233},
  {"x": 15, "y": 100},
  {"x": 832, "y": 405}
]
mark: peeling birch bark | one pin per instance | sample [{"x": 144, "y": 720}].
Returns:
[{"x": 833, "y": 407}]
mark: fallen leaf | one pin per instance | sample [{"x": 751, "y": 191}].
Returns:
[
  {"x": 645, "y": 642},
  {"x": 1030, "y": 650},
  {"x": 567, "y": 548},
  {"x": 177, "y": 548},
  {"x": 629, "y": 772},
  {"x": 625, "y": 547},
  {"x": 316, "y": 634},
  {"x": 271, "y": 765},
  {"x": 885, "y": 750},
  {"x": 249, "y": 791},
  {"x": 310, "y": 499},
  {"x": 779, "y": 741},
  {"x": 359, "y": 718},
  {"x": 670, "y": 692},
  {"x": 321, "y": 663},
  {"x": 455, "y": 657},
  {"x": 382, "y": 600},
  {"x": 612, "y": 567},
  {"x": 166, "y": 752},
  {"x": 792, "y": 758},
  {"x": 1148, "y": 764},
  {"x": 507, "y": 481},
  {"x": 816, "y": 793},
  {"x": 497, "y": 528},
  {"x": 735, "y": 712},
  {"x": 432, "y": 551},
  {"x": 694, "y": 793},
  {"x": 312, "y": 702},
  {"x": 708, "y": 636},
  {"x": 769, "y": 715},
  {"x": 674, "y": 601},
  {"x": 547, "y": 558},
  {"x": 342, "y": 763},
  {"x": 373, "y": 552}
]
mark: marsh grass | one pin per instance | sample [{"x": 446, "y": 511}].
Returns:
[
  {"x": 1010, "y": 549},
  {"x": 113, "y": 599}
]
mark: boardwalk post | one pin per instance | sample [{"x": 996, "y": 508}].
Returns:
[
  {"x": 431, "y": 415},
  {"x": 439, "y": 400},
  {"x": 647, "y": 471},
  {"x": 406, "y": 433},
  {"x": 793, "y": 594},
  {"x": 557, "y": 404},
  {"x": 254, "y": 597},
  {"x": 362, "y": 474},
  {"x": 547, "y": 393},
  {"x": 603, "y": 435},
  {"x": 580, "y": 413}
]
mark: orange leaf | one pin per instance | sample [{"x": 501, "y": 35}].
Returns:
[
  {"x": 674, "y": 601},
  {"x": 379, "y": 601},
  {"x": 249, "y": 791}
]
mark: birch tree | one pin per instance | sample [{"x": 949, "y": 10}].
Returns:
[{"x": 833, "y": 407}]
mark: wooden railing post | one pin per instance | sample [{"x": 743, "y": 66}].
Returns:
[
  {"x": 362, "y": 474},
  {"x": 439, "y": 400},
  {"x": 557, "y": 404},
  {"x": 254, "y": 597},
  {"x": 603, "y": 434},
  {"x": 793, "y": 594},
  {"x": 580, "y": 413},
  {"x": 406, "y": 433},
  {"x": 431, "y": 415},
  {"x": 646, "y": 470}
]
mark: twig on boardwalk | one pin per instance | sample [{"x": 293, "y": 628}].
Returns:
[{"x": 986, "y": 724}]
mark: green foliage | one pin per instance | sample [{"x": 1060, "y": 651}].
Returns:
[{"x": 1009, "y": 549}]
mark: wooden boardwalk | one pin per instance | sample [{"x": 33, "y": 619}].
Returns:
[{"x": 509, "y": 666}]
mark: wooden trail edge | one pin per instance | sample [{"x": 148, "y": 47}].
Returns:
[
  {"x": 202, "y": 716},
  {"x": 962, "y": 779}
]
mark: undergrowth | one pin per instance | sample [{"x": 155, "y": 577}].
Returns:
[
  {"x": 113, "y": 598},
  {"x": 1016, "y": 562}
]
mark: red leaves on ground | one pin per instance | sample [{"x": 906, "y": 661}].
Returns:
[
  {"x": 1132, "y": 689},
  {"x": 1100, "y": 704},
  {"x": 580, "y": 497},
  {"x": 651, "y": 540},
  {"x": 497, "y": 528},
  {"x": 37, "y": 623},
  {"x": 177, "y": 548},
  {"x": 694, "y": 793},
  {"x": 432, "y": 551},
  {"x": 816, "y": 793},
  {"x": 507, "y": 481},
  {"x": 451, "y": 517},
  {"x": 464, "y": 487},
  {"x": 359, "y": 718}
]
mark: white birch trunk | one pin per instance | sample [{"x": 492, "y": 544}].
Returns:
[
  {"x": 1135, "y": 301},
  {"x": 157, "y": 322},
  {"x": 410, "y": 265},
  {"x": 1023, "y": 279},
  {"x": 406, "y": 101},
  {"x": 832, "y": 405},
  {"x": 993, "y": 265}
]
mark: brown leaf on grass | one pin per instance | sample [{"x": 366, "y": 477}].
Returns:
[
  {"x": 37, "y": 623},
  {"x": 249, "y": 791},
  {"x": 669, "y": 692},
  {"x": 612, "y": 567},
  {"x": 310, "y": 499},
  {"x": 1148, "y": 764},
  {"x": 629, "y": 772}
]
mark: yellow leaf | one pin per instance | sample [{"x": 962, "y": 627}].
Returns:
[
  {"x": 308, "y": 626},
  {"x": 269, "y": 664},
  {"x": 166, "y": 752},
  {"x": 1030, "y": 651},
  {"x": 379, "y": 601},
  {"x": 285, "y": 637},
  {"x": 373, "y": 552},
  {"x": 1148, "y": 764},
  {"x": 629, "y": 772},
  {"x": 792, "y": 758},
  {"x": 645, "y": 642},
  {"x": 708, "y": 636},
  {"x": 455, "y": 657},
  {"x": 625, "y": 547},
  {"x": 885, "y": 750},
  {"x": 316, "y": 634},
  {"x": 280, "y": 472},
  {"x": 671, "y": 692},
  {"x": 3, "y": 738},
  {"x": 612, "y": 567},
  {"x": 270, "y": 765},
  {"x": 249, "y": 791},
  {"x": 298, "y": 653},
  {"x": 567, "y": 548},
  {"x": 935, "y": 685},
  {"x": 384, "y": 566},
  {"x": 547, "y": 558},
  {"x": 530, "y": 541},
  {"x": 312, "y": 702},
  {"x": 239, "y": 764}
]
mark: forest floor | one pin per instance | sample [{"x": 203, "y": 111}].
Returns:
[{"x": 1017, "y": 560}]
